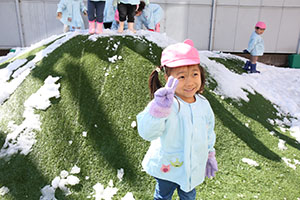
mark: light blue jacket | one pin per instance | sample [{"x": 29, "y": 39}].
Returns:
[
  {"x": 256, "y": 45},
  {"x": 109, "y": 11},
  {"x": 180, "y": 141},
  {"x": 73, "y": 9},
  {"x": 132, "y": 2},
  {"x": 151, "y": 15}
]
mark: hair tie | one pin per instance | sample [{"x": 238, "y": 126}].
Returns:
[{"x": 157, "y": 69}]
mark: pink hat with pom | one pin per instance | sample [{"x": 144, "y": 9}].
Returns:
[
  {"x": 261, "y": 25},
  {"x": 180, "y": 54}
]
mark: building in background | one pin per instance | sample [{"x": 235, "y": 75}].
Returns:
[{"x": 221, "y": 25}]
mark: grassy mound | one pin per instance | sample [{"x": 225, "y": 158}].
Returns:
[{"x": 101, "y": 94}]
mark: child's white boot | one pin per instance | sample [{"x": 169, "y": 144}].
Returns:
[
  {"x": 99, "y": 28},
  {"x": 91, "y": 27}
]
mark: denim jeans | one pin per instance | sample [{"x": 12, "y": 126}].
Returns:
[
  {"x": 96, "y": 7},
  {"x": 164, "y": 191}
]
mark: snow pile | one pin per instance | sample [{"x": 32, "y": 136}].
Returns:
[
  {"x": 61, "y": 182},
  {"x": 278, "y": 85},
  {"x": 22, "y": 137}
]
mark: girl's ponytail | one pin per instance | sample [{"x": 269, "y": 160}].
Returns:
[{"x": 153, "y": 82}]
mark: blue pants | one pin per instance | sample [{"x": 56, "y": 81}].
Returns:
[
  {"x": 164, "y": 191},
  {"x": 96, "y": 7}
]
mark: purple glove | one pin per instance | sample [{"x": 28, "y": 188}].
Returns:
[
  {"x": 211, "y": 165},
  {"x": 163, "y": 99}
]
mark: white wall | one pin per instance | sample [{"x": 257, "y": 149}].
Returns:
[{"x": 233, "y": 22}]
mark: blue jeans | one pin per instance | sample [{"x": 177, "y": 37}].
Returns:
[
  {"x": 164, "y": 191},
  {"x": 96, "y": 7}
]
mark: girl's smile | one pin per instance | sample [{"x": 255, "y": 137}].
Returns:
[{"x": 189, "y": 78}]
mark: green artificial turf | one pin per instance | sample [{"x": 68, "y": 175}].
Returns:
[{"x": 103, "y": 99}]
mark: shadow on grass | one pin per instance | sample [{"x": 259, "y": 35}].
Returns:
[
  {"x": 2, "y": 138},
  {"x": 91, "y": 110},
  {"x": 253, "y": 109},
  {"x": 22, "y": 173},
  {"x": 240, "y": 130},
  {"x": 19, "y": 174}
]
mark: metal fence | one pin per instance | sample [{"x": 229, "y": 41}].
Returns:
[{"x": 224, "y": 25}]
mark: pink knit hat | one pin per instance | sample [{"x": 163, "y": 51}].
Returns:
[
  {"x": 261, "y": 25},
  {"x": 180, "y": 54}
]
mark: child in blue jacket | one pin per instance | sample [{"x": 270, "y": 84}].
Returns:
[
  {"x": 69, "y": 13},
  {"x": 255, "y": 47},
  {"x": 179, "y": 122},
  {"x": 149, "y": 16}
]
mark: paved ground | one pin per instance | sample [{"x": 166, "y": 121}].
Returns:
[{"x": 280, "y": 60}]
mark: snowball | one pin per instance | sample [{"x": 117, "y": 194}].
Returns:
[
  {"x": 250, "y": 162},
  {"x": 64, "y": 174},
  {"x": 133, "y": 124},
  {"x": 72, "y": 180},
  {"x": 75, "y": 170},
  {"x": 3, "y": 190},
  {"x": 120, "y": 174},
  {"x": 55, "y": 182}
]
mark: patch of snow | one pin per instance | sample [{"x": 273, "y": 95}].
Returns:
[{"x": 250, "y": 162}]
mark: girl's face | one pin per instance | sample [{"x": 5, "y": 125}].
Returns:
[
  {"x": 189, "y": 82},
  {"x": 259, "y": 31}
]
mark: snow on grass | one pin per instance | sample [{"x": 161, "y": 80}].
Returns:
[
  {"x": 289, "y": 163},
  {"x": 22, "y": 137},
  {"x": 61, "y": 182},
  {"x": 104, "y": 193},
  {"x": 281, "y": 145},
  {"x": 6, "y": 72},
  {"x": 8, "y": 87},
  {"x": 120, "y": 174},
  {"x": 133, "y": 124},
  {"x": 4, "y": 190},
  {"x": 278, "y": 85},
  {"x": 128, "y": 196},
  {"x": 250, "y": 162}
]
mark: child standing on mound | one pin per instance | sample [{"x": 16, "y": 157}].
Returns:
[
  {"x": 126, "y": 9},
  {"x": 255, "y": 47},
  {"x": 149, "y": 16},
  {"x": 95, "y": 14},
  {"x": 69, "y": 13},
  {"x": 179, "y": 122}
]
